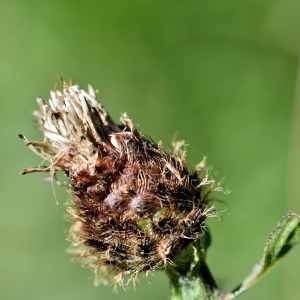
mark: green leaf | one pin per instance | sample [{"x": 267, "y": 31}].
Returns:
[
  {"x": 281, "y": 240},
  {"x": 284, "y": 237}
]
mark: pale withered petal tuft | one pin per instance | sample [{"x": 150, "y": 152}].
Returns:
[{"x": 134, "y": 205}]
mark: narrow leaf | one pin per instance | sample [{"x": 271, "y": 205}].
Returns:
[{"x": 281, "y": 240}]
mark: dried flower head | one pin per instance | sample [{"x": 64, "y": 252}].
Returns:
[{"x": 134, "y": 205}]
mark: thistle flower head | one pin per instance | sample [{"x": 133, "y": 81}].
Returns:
[{"x": 134, "y": 205}]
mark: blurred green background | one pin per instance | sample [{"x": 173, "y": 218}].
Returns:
[{"x": 220, "y": 74}]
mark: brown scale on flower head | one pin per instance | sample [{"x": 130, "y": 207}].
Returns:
[{"x": 134, "y": 205}]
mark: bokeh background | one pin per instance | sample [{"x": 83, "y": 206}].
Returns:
[{"x": 223, "y": 75}]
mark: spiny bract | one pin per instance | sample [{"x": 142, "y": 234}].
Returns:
[{"x": 134, "y": 205}]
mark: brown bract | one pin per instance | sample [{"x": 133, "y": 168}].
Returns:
[{"x": 134, "y": 205}]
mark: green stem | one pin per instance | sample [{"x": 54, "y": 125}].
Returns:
[
  {"x": 199, "y": 286},
  {"x": 190, "y": 276}
]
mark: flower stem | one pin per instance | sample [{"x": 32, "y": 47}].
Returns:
[
  {"x": 190, "y": 276},
  {"x": 200, "y": 286}
]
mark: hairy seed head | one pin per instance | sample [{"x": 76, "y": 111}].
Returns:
[{"x": 134, "y": 205}]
